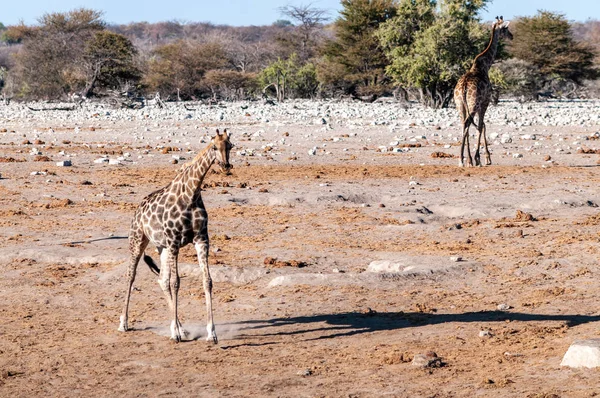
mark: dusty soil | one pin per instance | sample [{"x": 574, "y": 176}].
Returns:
[{"x": 526, "y": 229}]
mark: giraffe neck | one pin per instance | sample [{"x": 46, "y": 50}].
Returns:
[
  {"x": 194, "y": 172},
  {"x": 483, "y": 62}
]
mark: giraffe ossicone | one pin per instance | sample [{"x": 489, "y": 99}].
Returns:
[
  {"x": 473, "y": 91},
  {"x": 170, "y": 218}
]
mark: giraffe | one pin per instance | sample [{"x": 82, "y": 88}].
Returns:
[
  {"x": 473, "y": 92},
  {"x": 170, "y": 218}
]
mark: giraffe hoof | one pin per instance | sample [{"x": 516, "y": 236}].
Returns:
[
  {"x": 176, "y": 339},
  {"x": 123, "y": 326},
  {"x": 213, "y": 338}
]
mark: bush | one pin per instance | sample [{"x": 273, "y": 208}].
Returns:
[
  {"x": 517, "y": 78},
  {"x": 177, "y": 70},
  {"x": 230, "y": 84},
  {"x": 49, "y": 64}
]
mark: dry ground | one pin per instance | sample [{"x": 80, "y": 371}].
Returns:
[{"x": 329, "y": 329}]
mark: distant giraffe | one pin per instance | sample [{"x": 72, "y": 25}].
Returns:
[
  {"x": 473, "y": 92},
  {"x": 170, "y": 218}
]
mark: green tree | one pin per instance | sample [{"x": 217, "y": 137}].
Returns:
[
  {"x": 546, "y": 41},
  {"x": 290, "y": 79},
  {"x": 108, "y": 62},
  {"x": 431, "y": 44},
  {"x": 354, "y": 60}
]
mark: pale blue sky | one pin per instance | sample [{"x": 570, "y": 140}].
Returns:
[{"x": 246, "y": 12}]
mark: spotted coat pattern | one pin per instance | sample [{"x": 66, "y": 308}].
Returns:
[
  {"x": 171, "y": 218},
  {"x": 473, "y": 91}
]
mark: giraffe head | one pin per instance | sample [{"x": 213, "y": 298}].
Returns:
[
  {"x": 502, "y": 26},
  {"x": 222, "y": 147}
]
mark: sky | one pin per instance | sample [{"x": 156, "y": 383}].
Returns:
[{"x": 257, "y": 12}]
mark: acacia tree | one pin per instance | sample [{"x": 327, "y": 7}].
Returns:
[
  {"x": 430, "y": 45},
  {"x": 308, "y": 20},
  {"x": 354, "y": 61},
  {"x": 546, "y": 41}
]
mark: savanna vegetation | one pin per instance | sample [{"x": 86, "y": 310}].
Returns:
[{"x": 413, "y": 49}]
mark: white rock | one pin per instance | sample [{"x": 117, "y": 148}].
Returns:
[
  {"x": 503, "y": 307},
  {"x": 485, "y": 333},
  {"x": 583, "y": 354},
  {"x": 64, "y": 163},
  {"x": 517, "y": 155},
  {"x": 312, "y": 151},
  {"x": 101, "y": 160},
  {"x": 114, "y": 161}
]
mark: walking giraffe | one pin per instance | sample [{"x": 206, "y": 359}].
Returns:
[
  {"x": 473, "y": 92},
  {"x": 170, "y": 218}
]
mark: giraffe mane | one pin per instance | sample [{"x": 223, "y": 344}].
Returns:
[
  {"x": 196, "y": 158},
  {"x": 487, "y": 48}
]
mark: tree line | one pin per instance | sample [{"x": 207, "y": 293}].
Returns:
[{"x": 408, "y": 48}]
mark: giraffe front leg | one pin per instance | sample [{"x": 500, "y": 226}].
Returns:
[{"x": 202, "y": 250}]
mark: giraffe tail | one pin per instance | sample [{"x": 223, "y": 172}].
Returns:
[{"x": 151, "y": 264}]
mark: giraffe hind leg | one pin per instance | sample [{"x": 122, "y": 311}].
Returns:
[
  {"x": 477, "y": 154},
  {"x": 169, "y": 283},
  {"x": 465, "y": 143},
  {"x": 137, "y": 245},
  {"x": 488, "y": 156}
]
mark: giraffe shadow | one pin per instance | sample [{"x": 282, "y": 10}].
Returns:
[{"x": 329, "y": 326}]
